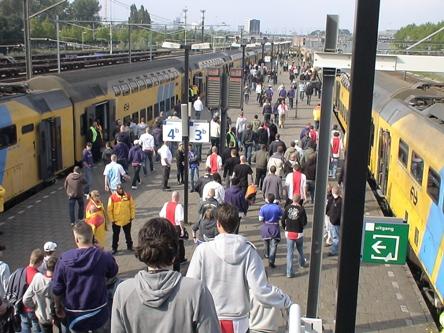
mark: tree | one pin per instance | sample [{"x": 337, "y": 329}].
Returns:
[
  {"x": 84, "y": 10},
  {"x": 411, "y": 33},
  {"x": 139, "y": 15}
]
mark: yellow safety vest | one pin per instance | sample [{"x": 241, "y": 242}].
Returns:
[{"x": 94, "y": 133}]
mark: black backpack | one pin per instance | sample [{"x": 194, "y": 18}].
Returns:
[{"x": 16, "y": 289}]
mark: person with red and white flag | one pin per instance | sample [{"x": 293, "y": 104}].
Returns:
[
  {"x": 173, "y": 212},
  {"x": 296, "y": 183},
  {"x": 336, "y": 149},
  {"x": 214, "y": 161}
]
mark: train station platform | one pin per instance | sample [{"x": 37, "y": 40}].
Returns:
[{"x": 388, "y": 300}]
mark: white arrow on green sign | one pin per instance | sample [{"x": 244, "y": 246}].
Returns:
[{"x": 385, "y": 241}]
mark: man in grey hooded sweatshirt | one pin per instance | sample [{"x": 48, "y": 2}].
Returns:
[
  {"x": 158, "y": 299},
  {"x": 225, "y": 264}
]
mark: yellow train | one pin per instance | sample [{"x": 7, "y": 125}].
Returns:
[
  {"x": 43, "y": 130},
  {"x": 407, "y": 163}
]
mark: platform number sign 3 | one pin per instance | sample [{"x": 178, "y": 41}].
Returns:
[
  {"x": 172, "y": 131},
  {"x": 199, "y": 131}
]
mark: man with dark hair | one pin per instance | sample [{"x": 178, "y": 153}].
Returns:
[
  {"x": 74, "y": 183},
  {"x": 230, "y": 257},
  {"x": 229, "y": 165},
  {"x": 235, "y": 196},
  {"x": 79, "y": 283},
  {"x": 158, "y": 299},
  {"x": 270, "y": 214},
  {"x": 260, "y": 158},
  {"x": 202, "y": 181},
  {"x": 272, "y": 184},
  {"x": 275, "y": 144},
  {"x": 243, "y": 172}
]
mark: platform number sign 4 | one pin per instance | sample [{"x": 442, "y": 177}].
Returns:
[
  {"x": 172, "y": 130},
  {"x": 199, "y": 131}
]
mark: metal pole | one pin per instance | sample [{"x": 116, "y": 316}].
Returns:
[
  {"x": 185, "y": 26},
  {"x": 271, "y": 58},
  {"x": 151, "y": 45},
  {"x": 27, "y": 40},
  {"x": 129, "y": 41},
  {"x": 242, "y": 77},
  {"x": 58, "y": 44},
  {"x": 322, "y": 171},
  {"x": 263, "y": 51},
  {"x": 363, "y": 76},
  {"x": 203, "y": 24},
  {"x": 83, "y": 33},
  {"x": 223, "y": 113},
  {"x": 185, "y": 136},
  {"x": 110, "y": 28}
]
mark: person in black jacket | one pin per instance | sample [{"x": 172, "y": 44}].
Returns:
[
  {"x": 333, "y": 211},
  {"x": 293, "y": 222},
  {"x": 180, "y": 162}
]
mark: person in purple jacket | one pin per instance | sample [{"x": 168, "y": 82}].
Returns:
[
  {"x": 269, "y": 215},
  {"x": 136, "y": 157},
  {"x": 121, "y": 150},
  {"x": 235, "y": 196},
  {"x": 79, "y": 284}
]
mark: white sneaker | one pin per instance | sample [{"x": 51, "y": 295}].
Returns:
[{"x": 134, "y": 187}]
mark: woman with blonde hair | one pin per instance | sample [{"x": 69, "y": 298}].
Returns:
[{"x": 96, "y": 218}]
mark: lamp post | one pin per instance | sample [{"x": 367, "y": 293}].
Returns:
[
  {"x": 203, "y": 24},
  {"x": 185, "y": 25},
  {"x": 184, "y": 115},
  {"x": 83, "y": 39},
  {"x": 27, "y": 33}
]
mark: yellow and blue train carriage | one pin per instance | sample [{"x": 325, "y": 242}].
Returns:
[
  {"x": 407, "y": 164},
  {"x": 36, "y": 132}
]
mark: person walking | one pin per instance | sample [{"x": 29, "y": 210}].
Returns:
[
  {"x": 121, "y": 150},
  {"x": 260, "y": 158},
  {"x": 272, "y": 184},
  {"x": 135, "y": 158},
  {"x": 295, "y": 183},
  {"x": 215, "y": 131},
  {"x": 248, "y": 142},
  {"x": 214, "y": 161},
  {"x": 336, "y": 149},
  {"x": 244, "y": 173},
  {"x": 202, "y": 181},
  {"x": 94, "y": 136},
  {"x": 87, "y": 164},
  {"x": 121, "y": 212},
  {"x": 229, "y": 166},
  {"x": 198, "y": 107},
  {"x": 148, "y": 147},
  {"x": 333, "y": 211},
  {"x": 293, "y": 222},
  {"x": 216, "y": 184},
  {"x": 269, "y": 215},
  {"x": 282, "y": 111},
  {"x": 114, "y": 173},
  {"x": 193, "y": 161},
  {"x": 180, "y": 163},
  {"x": 277, "y": 160},
  {"x": 241, "y": 125},
  {"x": 96, "y": 218},
  {"x": 74, "y": 184},
  {"x": 166, "y": 158},
  {"x": 157, "y": 299},
  {"x": 235, "y": 196},
  {"x": 79, "y": 284},
  {"x": 173, "y": 212}
]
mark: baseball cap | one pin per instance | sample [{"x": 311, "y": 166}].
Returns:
[{"x": 49, "y": 247}]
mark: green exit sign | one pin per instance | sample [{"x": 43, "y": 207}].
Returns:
[{"x": 385, "y": 241}]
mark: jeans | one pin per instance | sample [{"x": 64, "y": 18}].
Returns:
[
  {"x": 334, "y": 229},
  {"x": 148, "y": 158},
  {"x": 311, "y": 189},
  {"x": 214, "y": 141},
  {"x": 271, "y": 249},
  {"x": 308, "y": 99},
  {"x": 333, "y": 167},
  {"x": 290, "y": 252},
  {"x": 260, "y": 176},
  {"x": 116, "y": 234},
  {"x": 29, "y": 323},
  {"x": 197, "y": 114},
  {"x": 136, "y": 178},
  {"x": 301, "y": 95},
  {"x": 290, "y": 101},
  {"x": 180, "y": 171},
  {"x": 72, "y": 205},
  {"x": 248, "y": 151},
  {"x": 194, "y": 176},
  {"x": 88, "y": 172},
  {"x": 165, "y": 175}
]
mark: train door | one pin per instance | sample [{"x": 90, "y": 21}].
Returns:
[
  {"x": 383, "y": 159},
  {"x": 50, "y": 147},
  {"x": 198, "y": 80},
  {"x": 105, "y": 114}
]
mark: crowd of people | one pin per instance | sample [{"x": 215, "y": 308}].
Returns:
[{"x": 79, "y": 291}]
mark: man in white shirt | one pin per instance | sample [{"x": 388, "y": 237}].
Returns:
[
  {"x": 173, "y": 212},
  {"x": 296, "y": 183},
  {"x": 166, "y": 159},
  {"x": 113, "y": 174},
  {"x": 214, "y": 132},
  {"x": 241, "y": 124},
  {"x": 198, "y": 107},
  {"x": 215, "y": 184},
  {"x": 147, "y": 142}
]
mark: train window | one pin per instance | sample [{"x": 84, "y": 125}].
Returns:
[
  {"x": 135, "y": 117},
  {"x": 162, "y": 106},
  {"x": 403, "y": 153},
  {"x": 116, "y": 90},
  {"x": 156, "y": 110},
  {"x": 27, "y": 128},
  {"x": 142, "y": 84},
  {"x": 149, "y": 83},
  {"x": 134, "y": 86},
  {"x": 417, "y": 167},
  {"x": 167, "y": 104},
  {"x": 149, "y": 113},
  {"x": 8, "y": 136},
  {"x": 433, "y": 183},
  {"x": 155, "y": 80},
  {"x": 172, "y": 102},
  {"x": 143, "y": 114},
  {"x": 125, "y": 89}
]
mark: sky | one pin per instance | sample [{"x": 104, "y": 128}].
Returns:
[{"x": 283, "y": 16}]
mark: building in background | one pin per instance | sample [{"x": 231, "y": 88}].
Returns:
[{"x": 253, "y": 27}]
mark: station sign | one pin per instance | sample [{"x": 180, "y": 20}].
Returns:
[
  {"x": 172, "y": 130},
  {"x": 199, "y": 131},
  {"x": 267, "y": 59},
  {"x": 385, "y": 240}
]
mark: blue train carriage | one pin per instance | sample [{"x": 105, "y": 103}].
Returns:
[
  {"x": 407, "y": 162},
  {"x": 36, "y": 133}
]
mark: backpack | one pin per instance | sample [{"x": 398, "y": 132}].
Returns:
[{"x": 16, "y": 289}]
